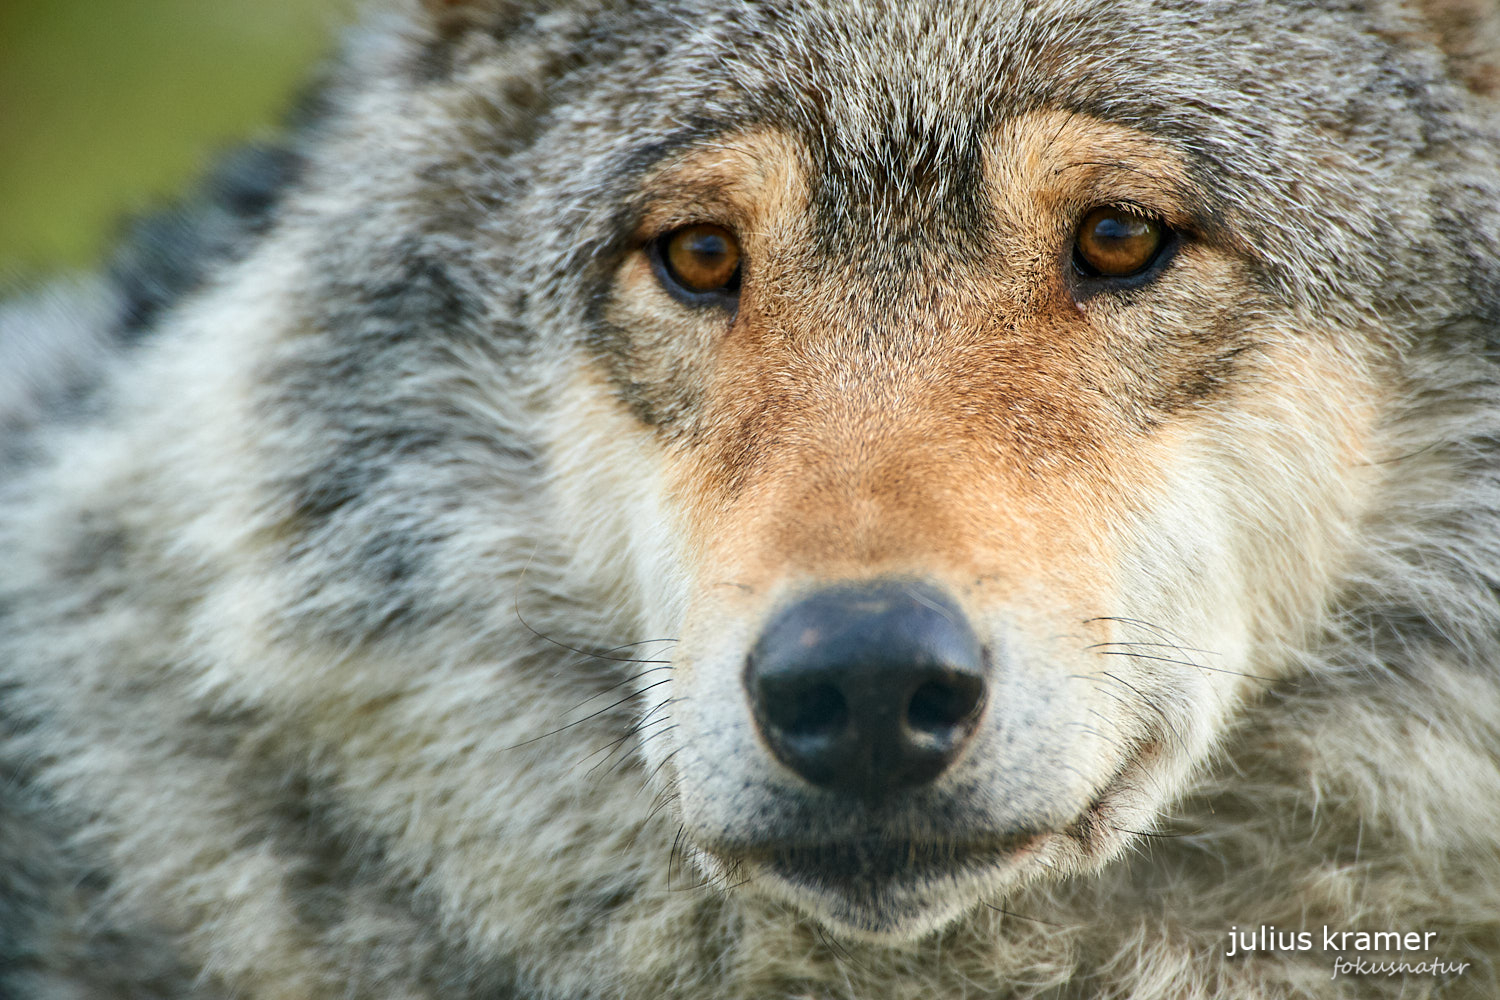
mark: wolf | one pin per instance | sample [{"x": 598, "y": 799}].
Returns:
[{"x": 837, "y": 499}]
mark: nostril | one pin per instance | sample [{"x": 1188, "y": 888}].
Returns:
[
  {"x": 940, "y": 706},
  {"x": 817, "y": 711}
]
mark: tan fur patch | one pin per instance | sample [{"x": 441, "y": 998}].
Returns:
[{"x": 986, "y": 431}]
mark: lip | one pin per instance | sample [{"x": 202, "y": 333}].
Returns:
[
  {"x": 863, "y": 865},
  {"x": 878, "y": 864},
  {"x": 881, "y": 888},
  {"x": 1095, "y": 825},
  {"x": 901, "y": 873}
]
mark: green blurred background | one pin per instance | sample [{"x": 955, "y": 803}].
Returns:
[{"x": 107, "y": 107}]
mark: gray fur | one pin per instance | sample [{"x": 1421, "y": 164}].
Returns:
[{"x": 302, "y": 576}]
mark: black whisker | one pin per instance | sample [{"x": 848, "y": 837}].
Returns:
[
  {"x": 674, "y": 858},
  {"x": 592, "y": 654},
  {"x": 1021, "y": 916},
  {"x": 1107, "y": 163},
  {"x": 1166, "y": 645},
  {"x": 839, "y": 950},
  {"x": 1403, "y": 457},
  {"x": 1185, "y": 663},
  {"x": 640, "y": 723},
  {"x": 615, "y": 687},
  {"x": 1150, "y": 703},
  {"x": 735, "y": 885},
  {"x": 647, "y": 738},
  {"x": 659, "y": 765},
  {"x": 591, "y": 715},
  {"x": 1148, "y": 833},
  {"x": 1157, "y": 630}
]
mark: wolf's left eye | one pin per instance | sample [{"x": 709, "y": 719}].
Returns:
[
  {"x": 1115, "y": 243},
  {"x": 699, "y": 263}
]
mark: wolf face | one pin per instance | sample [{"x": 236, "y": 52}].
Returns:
[
  {"x": 1110, "y": 490},
  {"x": 1113, "y": 494},
  {"x": 875, "y": 464}
]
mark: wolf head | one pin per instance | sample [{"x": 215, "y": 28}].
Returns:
[
  {"x": 973, "y": 543},
  {"x": 982, "y": 404}
]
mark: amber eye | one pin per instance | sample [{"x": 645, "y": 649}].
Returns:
[
  {"x": 1115, "y": 243},
  {"x": 701, "y": 261}
]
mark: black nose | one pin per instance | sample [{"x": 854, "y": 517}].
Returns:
[{"x": 868, "y": 688}]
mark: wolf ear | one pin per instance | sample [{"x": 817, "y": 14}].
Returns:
[{"x": 1468, "y": 32}]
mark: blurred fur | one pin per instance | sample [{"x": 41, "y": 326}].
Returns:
[{"x": 351, "y": 523}]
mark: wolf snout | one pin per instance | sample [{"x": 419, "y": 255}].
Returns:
[{"x": 869, "y": 688}]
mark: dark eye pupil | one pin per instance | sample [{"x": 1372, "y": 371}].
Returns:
[
  {"x": 711, "y": 249},
  {"x": 1121, "y": 229}
]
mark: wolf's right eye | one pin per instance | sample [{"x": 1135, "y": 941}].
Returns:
[
  {"x": 699, "y": 264},
  {"x": 1113, "y": 243}
]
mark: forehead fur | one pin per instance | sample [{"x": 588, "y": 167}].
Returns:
[{"x": 1331, "y": 193}]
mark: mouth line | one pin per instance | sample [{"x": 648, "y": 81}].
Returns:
[
  {"x": 877, "y": 860},
  {"x": 868, "y": 873},
  {"x": 1095, "y": 825},
  {"x": 893, "y": 859}
]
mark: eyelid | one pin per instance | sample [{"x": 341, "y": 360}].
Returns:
[{"x": 661, "y": 221}]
